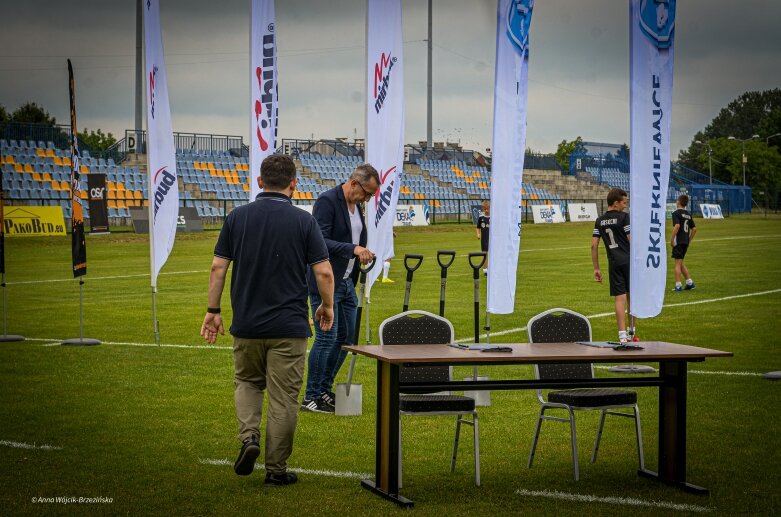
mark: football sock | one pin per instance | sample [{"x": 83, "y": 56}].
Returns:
[
  {"x": 689, "y": 281},
  {"x": 678, "y": 284},
  {"x": 385, "y": 269},
  {"x": 622, "y": 336}
]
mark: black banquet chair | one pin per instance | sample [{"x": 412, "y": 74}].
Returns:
[
  {"x": 418, "y": 328},
  {"x": 565, "y": 326}
]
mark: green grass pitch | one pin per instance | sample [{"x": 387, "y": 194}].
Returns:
[{"x": 153, "y": 429}]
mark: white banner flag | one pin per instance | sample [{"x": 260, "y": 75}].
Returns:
[
  {"x": 385, "y": 124},
  {"x": 652, "y": 24},
  {"x": 161, "y": 155},
  {"x": 509, "y": 142},
  {"x": 263, "y": 88}
]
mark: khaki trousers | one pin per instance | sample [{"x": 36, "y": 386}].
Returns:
[{"x": 276, "y": 365}]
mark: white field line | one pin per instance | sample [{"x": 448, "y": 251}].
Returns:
[
  {"x": 704, "y": 372},
  {"x": 50, "y": 343},
  {"x": 56, "y": 342},
  {"x": 20, "y": 445},
  {"x": 140, "y": 275},
  {"x": 606, "y": 314},
  {"x": 626, "y": 501},
  {"x": 533, "y": 250},
  {"x": 313, "y": 472}
]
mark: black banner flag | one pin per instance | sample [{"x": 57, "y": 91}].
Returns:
[
  {"x": 78, "y": 243},
  {"x": 98, "y": 206},
  {"x": 2, "y": 226}
]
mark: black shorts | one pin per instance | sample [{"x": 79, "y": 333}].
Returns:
[
  {"x": 619, "y": 279},
  {"x": 679, "y": 251},
  {"x": 484, "y": 243}
]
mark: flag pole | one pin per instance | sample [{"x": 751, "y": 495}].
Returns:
[
  {"x": 5, "y": 338},
  {"x": 78, "y": 241}
]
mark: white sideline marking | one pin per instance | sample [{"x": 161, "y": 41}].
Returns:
[
  {"x": 628, "y": 501},
  {"x": 314, "y": 472},
  {"x": 20, "y": 445},
  {"x": 56, "y": 342},
  {"x": 703, "y": 372},
  {"x": 140, "y": 275},
  {"x": 606, "y": 314}
]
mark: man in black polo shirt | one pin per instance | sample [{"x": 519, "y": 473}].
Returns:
[{"x": 270, "y": 243}]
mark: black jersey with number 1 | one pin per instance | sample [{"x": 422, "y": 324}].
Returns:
[{"x": 613, "y": 229}]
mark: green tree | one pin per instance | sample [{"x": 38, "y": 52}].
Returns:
[
  {"x": 31, "y": 113},
  {"x": 753, "y": 113},
  {"x": 565, "y": 149},
  {"x": 97, "y": 141},
  {"x": 3, "y": 114}
]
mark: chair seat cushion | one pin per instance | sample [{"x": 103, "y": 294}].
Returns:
[
  {"x": 434, "y": 403},
  {"x": 593, "y": 397}
]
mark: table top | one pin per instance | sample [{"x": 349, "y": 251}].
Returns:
[{"x": 534, "y": 353}]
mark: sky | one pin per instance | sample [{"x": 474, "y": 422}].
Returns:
[{"x": 578, "y": 67}]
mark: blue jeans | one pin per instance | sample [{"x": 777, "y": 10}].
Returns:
[{"x": 326, "y": 355}]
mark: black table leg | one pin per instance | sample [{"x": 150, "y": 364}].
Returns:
[
  {"x": 672, "y": 429},
  {"x": 386, "y": 473}
]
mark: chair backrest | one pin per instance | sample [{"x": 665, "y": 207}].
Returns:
[
  {"x": 418, "y": 328},
  {"x": 560, "y": 326}
]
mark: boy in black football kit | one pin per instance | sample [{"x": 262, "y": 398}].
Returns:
[
  {"x": 613, "y": 229},
  {"x": 482, "y": 230},
  {"x": 683, "y": 234}
]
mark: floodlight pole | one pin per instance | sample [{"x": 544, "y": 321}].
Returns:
[
  {"x": 743, "y": 151},
  {"x": 710, "y": 164}
]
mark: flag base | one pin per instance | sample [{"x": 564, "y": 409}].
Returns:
[
  {"x": 81, "y": 342},
  {"x": 7, "y": 338}
]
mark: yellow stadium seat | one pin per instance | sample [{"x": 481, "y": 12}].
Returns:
[
  {"x": 46, "y": 176},
  {"x": 28, "y": 167},
  {"x": 37, "y": 177},
  {"x": 18, "y": 167},
  {"x": 137, "y": 194},
  {"x": 84, "y": 169},
  {"x": 112, "y": 203},
  {"x": 40, "y": 152},
  {"x": 66, "y": 161},
  {"x": 245, "y": 187},
  {"x": 50, "y": 153}
]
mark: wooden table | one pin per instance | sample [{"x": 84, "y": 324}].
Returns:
[{"x": 671, "y": 381}]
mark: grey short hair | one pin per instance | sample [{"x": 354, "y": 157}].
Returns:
[{"x": 365, "y": 172}]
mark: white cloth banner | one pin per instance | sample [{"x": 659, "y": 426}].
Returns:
[
  {"x": 161, "y": 155},
  {"x": 547, "y": 214},
  {"x": 384, "y": 124},
  {"x": 263, "y": 88},
  {"x": 652, "y": 24},
  {"x": 579, "y": 212},
  {"x": 711, "y": 211},
  {"x": 509, "y": 142},
  {"x": 411, "y": 215}
]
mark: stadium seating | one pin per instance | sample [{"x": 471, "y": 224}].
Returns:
[{"x": 215, "y": 182}]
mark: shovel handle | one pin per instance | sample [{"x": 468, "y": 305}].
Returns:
[
  {"x": 365, "y": 268},
  {"x": 477, "y": 255},
  {"x": 444, "y": 264},
  {"x": 410, "y": 265}
]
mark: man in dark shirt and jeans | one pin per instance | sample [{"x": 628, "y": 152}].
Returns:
[
  {"x": 271, "y": 243},
  {"x": 613, "y": 228}
]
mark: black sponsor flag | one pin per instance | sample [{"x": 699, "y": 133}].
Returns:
[
  {"x": 2, "y": 228},
  {"x": 78, "y": 243}
]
